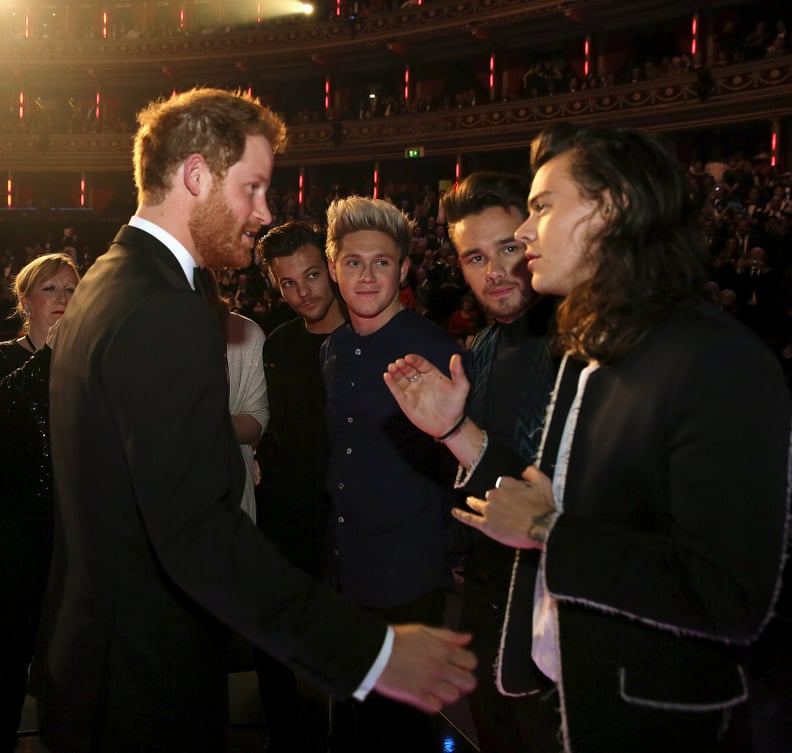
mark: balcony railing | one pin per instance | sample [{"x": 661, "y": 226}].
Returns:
[{"x": 742, "y": 93}]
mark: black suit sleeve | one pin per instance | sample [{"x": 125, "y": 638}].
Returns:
[
  {"x": 498, "y": 460},
  {"x": 168, "y": 396}
]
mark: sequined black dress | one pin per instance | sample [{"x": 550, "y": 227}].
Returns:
[
  {"x": 12, "y": 356},
  {"x": 26, "y": 520}
]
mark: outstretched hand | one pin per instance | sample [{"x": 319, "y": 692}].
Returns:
[
  {"x": 428, "y": 667},
  {"x": 432, "y": 401}
]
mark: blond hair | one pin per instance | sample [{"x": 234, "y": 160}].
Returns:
[
  {"x": 357, "y": 213},
  {"x": 41, "y": 268}
]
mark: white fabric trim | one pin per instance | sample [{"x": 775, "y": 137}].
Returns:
[
  {"x": 545, "y": 650},
  {"x": 507, "y": 613},
  {"x": 672, "y": 706},
  {"x": 464, "y": 474}
]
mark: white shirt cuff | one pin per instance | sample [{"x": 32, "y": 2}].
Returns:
[{"x": 370, "y": 680}]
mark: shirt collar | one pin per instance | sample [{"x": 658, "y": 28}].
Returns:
[{"x": 182, "y": 255}]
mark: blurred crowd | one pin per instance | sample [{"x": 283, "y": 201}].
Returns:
[{"x": 746, "y": 212}]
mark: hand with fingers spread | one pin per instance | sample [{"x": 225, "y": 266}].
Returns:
[
  {"x": 518, "y": 513},
  {"x": 428, "y": 667},
  {"x": 432, "y": 401}
]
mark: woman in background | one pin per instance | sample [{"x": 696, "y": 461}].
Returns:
[{"x": 42, "y": 291}]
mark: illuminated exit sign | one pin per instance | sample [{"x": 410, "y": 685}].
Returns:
[{"x": 414, "y": 151}]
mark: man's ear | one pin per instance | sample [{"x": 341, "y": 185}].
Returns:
[
  {"x": 405, "y": 268},
  {"x": 331, "y": 271},
  {"x": 608, "y": 207},
  {"x": 195, "y": 173}
]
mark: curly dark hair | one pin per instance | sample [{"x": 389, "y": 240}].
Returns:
[{"x": 649, "y": 255}]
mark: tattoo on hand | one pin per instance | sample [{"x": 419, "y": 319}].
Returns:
[{"x": 540, "y": 526}]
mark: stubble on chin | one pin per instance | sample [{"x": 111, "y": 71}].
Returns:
[
  {"x": 319, "y": 316},
  {"x": 508, "y": 308},
  {"x": 217, "y": 235}
]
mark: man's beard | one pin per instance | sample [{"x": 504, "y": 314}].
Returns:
[
  {"x": 505, "y": 309},
  {"x": 217, "y": 234},
  {"x": 321, "y": 314}
]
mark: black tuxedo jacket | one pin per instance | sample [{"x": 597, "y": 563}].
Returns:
[
  {"x": 665, "y": 562},
  {"x": 157, "y": 556}
]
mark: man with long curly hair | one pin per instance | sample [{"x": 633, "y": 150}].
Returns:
[{"x": 659, "y": 499}]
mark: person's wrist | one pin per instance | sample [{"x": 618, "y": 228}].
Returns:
[{"x": 453, "y": 430}]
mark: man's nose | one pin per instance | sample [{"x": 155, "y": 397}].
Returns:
[
  {"x": 261, "y": 212},
  {"x": 525, "y": 233},
  {"x": 495, "y": 269}
]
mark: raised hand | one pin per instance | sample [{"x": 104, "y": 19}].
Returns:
[{"x": 432, "y": 401}]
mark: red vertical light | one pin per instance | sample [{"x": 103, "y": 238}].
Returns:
[
  {"x": 587, "y": 56},
  {"x": 375, "y": 188},
  {"x": 694, "y": 35},
  {"x": 97, "y": 112},
  {"x": 27, "y": 25},
  {"x": 300, "y": 186},
  {"x": 258, "y": 12},
  {"x": 458, "y": 169},
  {"x": 21, "y": 105},
  {"x": 774, "y": 149},
  {"x": 492, "y": 73},
  {"x": 407, "y": 83},
  {"x": 181, "y": 18},
  {"x": 82, "y": 193},
  {"x": 10, "y": 193},
  {"x": 327, "y": 93},
  {"x": 104, "y": 24},
  {"x": 338, "y": 8}
]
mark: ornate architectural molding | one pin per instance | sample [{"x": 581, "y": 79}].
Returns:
[
  {"x": 748, "y": 92},
  {"x": 288, "y": 39}
]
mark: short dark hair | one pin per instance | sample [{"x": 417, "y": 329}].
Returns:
[
  {"x": 482, "y": 190},
  {"x": 285, "y": 239},
  {"x": 648, "y": 255}
]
